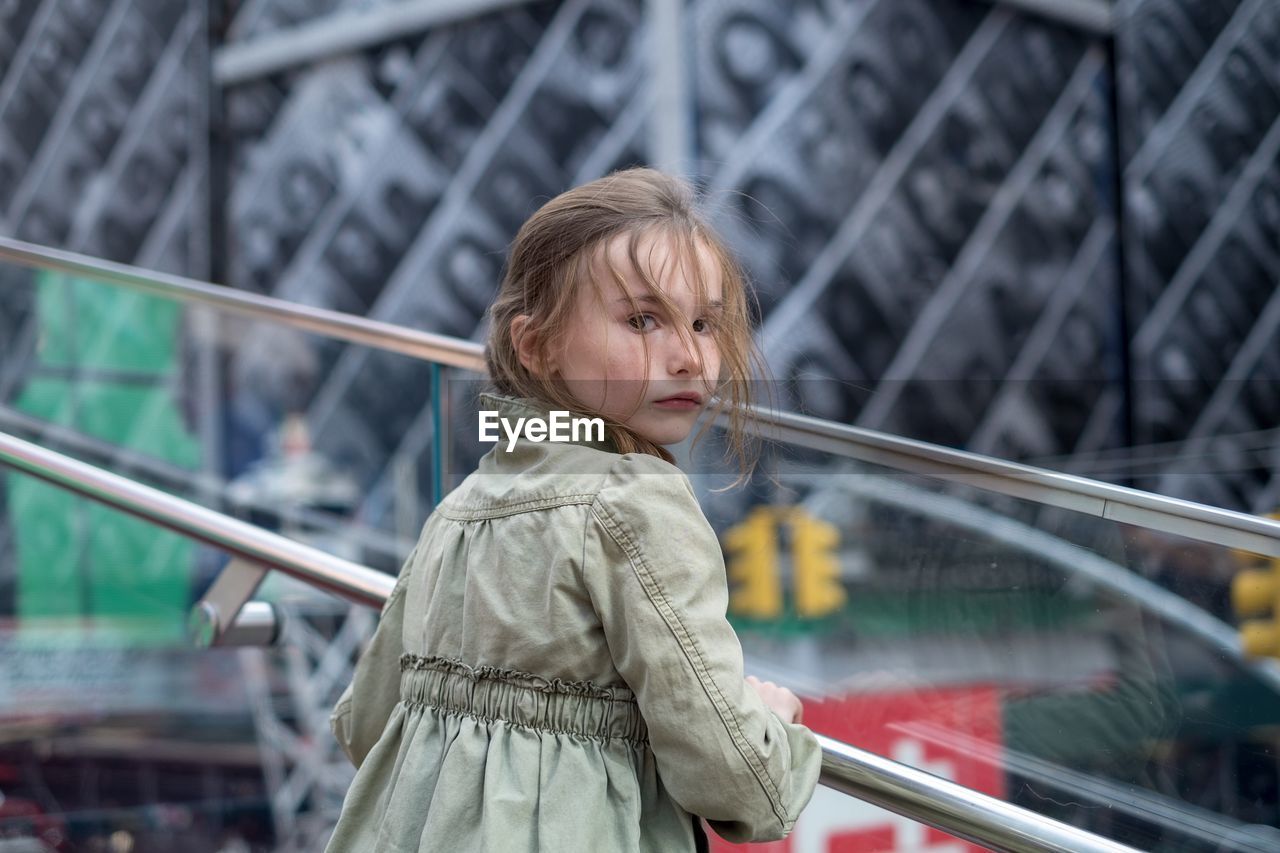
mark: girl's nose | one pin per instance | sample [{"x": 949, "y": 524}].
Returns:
[{"x": 682, "y": 359}]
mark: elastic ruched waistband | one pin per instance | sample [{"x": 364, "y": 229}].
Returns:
[{"x": 490, "y": 693}]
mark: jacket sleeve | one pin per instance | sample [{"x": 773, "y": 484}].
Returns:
[
  {"x": 656, "y": 576},
  {"x": 363, "y": 709}
]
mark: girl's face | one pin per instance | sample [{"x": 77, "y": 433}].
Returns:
[{"x": 612, "y": 344}]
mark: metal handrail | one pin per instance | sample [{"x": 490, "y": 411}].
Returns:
[
  {"x": 352, "y": 581},
  {"x": 440, "y": 349},
  {"x": 216, "y": 492},
  {"x": 897, "y": 787},
  {"x": 1129, "y": 506},
  {"x": 1191, "y": 520}
]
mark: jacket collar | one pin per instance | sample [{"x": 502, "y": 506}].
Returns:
[{"x": 514, "y": 408}]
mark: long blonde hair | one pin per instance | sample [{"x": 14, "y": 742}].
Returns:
[{"x": 552, "y": 257}]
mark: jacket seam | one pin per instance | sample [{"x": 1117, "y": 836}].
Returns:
[
  {"x": 657, "y": 597},
  {"x": 515, "y": 508},
  {"x": 581, "y": 568},
  {"x": 402, "y": 582}
]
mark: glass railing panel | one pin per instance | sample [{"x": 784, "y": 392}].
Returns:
[
  {"x": 1070, "y": 664},
  {"x": 327, "y": 441},
  {"x": 974, "y": 634},
  {"x": 103, "y": 364},
  {"x": 102, "y": 360},
  {"x": 115, "y": 733}
]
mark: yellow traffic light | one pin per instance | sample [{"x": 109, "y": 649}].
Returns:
[
  {"x": 1254, "y": 592},
  {"x": 816, "y": 563},
  {"x": 753, "y": 566}
]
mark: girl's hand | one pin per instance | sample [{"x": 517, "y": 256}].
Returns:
[{"x": 780, "y": 700}]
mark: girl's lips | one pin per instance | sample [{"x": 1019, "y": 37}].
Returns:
[{"x": 679, "y": 404}]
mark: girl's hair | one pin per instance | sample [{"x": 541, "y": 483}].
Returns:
[{"x": 555, "y": 253}]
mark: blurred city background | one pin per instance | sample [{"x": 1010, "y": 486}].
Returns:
[{"x": 1039, "y": 231}]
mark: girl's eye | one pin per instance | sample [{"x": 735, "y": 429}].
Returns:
[
  {"x": 642, "y": 322},
  {"x": 702, "y": 324}
]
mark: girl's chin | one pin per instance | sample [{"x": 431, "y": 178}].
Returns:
[{"x": 665, "y": 438}]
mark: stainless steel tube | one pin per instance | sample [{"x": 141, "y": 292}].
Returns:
[
  {"x": 952, "y": 808},
  {"x": 352, "y": 581},
  {"x": 334, "y": 324},
  {"x": 1105, "y": 500}
]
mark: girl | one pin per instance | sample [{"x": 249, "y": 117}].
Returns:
[{"x": 553, "y": 670}]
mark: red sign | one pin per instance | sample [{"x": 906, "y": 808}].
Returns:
[{"x": 918, "y": 728}]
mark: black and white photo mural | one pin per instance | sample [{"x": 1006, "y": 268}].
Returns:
[
  {"x": 103, "y": 130},
  {"x": 949, "y": 235}
]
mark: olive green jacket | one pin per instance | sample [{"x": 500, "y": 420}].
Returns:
[{"x": 554, "y": 672}]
